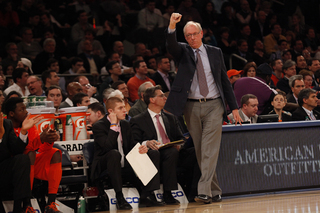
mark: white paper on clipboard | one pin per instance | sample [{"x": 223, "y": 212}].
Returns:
[{"x": 141, "y": 164}]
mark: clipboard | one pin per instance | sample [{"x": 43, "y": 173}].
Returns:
[
  {"x": 178, "y": 142},
  {"x": 141, "y": 164}
]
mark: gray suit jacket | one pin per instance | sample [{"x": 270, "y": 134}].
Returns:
[
  {"x": 139, "y": 107},
  {"x": 184, "y": 56},
  {"x": 254, "y": 119}
]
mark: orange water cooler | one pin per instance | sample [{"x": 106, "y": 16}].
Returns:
[
  {"x": 78, "y": 119},
  {"x": 48, "y": 115}
]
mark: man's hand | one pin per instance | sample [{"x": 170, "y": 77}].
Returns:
[
  {"x": 236, "y": 116},
  {"x": 177, "y": 147},
  {"x": 48, "y": 135},
  {"x": 113, "y": 117},
  {"x": 153, "y": 144},
  {"x": 128, "y": 71},
  {"x": 151, "y": 71},
  {"x": 29, "y": 122},
  {"x": 76, "y": 158},
  {"x": 143, "y": 149},
  {"x": 174, "y": 19},
  {"x": 81, "y": 70},
  {"x": 91, "y": 91},
  {"x": 1, "y": 125}
]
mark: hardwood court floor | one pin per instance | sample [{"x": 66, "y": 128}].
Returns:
[{"x": 293, "y": 202}]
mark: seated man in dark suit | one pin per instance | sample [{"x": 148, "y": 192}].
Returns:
[
  {"x": 289, "y": 69},
  {"x": 91, "y": 63},
  {"x": 296, "y": 83},
  {"x": 307, "y": 100},
  {"x": 162, "y": 77},
  {"x": 154, "y": 127},
  {"x": 243, "y": 52},
  {"x": 112, "y": 141}
]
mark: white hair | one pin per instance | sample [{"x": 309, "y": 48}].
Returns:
[
  {"x": 115, "y": 94},
  {"x": 196, "y": 24},
  {"x": 107, "y": 92},
  {"x": 142, "y": 88},
  {"x": 49, "y": 40}
]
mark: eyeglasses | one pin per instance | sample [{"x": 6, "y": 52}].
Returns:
[
  {"x": 194, "y": 35},
  {"x": 88, "y": 86}
]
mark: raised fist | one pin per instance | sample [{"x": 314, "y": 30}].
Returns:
[{"x": 175, "y": 18}]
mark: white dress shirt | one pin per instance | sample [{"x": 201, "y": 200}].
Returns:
[{"x": 154, "y": 120}]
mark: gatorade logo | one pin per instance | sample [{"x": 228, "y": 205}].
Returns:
[
  {"x": 44, "y": 124},
  {"x": 128, "y": 199},
  {"x": 80, "y": 123}
]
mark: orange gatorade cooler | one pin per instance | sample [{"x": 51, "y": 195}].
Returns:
[
  {"x": 48, "y": 117},
  {"x": 78, "y": 115}
]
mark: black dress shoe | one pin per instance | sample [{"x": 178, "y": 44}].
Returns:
[
  {"x": 104, "y": 202},
  {"x": 123, "y": 204},
  {"x": 203, "y": 199},
  {"x": 216, "y": 198},
  {"x": 168, "y": 199},
  {"x": 150, "y": 201}
]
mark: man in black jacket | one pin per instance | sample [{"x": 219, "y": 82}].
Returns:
[
  {"x": 154, "y": 127},
  {"x": 162, "y": 76},
  {"x": 200, "y": 92},
  {"x": 307, "y": 100},
  {"x": 112, "y": 141}
]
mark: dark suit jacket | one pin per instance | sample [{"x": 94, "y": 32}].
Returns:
[
  {"x": 106, "y": 140},
  {"x": 40, "y": 62},
  {"x": 143, "y": 128},
  {"x": 126, "y": 60},
  {"x": 283, "y": 85},
  {"x": 291, "y": 99},
  {"x": 239, "y": 64},
  {"x": 159, "y": 81},
  {"x": 184, "y": 55},
  {"x": 10, "y": 144},
  {"x": 255, "y": 30},
  {"x": 300, "y": 115},
  {"x": 285, "y": 116},
  {"x": 86, "y": 64}
]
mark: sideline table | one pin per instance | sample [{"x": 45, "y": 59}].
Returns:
[{"x": 269, "y": 157}]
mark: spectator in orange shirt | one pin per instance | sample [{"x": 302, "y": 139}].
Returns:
[{"x": 141, "y": 70}]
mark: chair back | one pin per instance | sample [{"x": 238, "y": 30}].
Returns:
[{"x": 88, "y": 151}]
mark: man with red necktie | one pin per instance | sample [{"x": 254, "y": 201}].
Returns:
[{"x": 155, "y": 127}]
